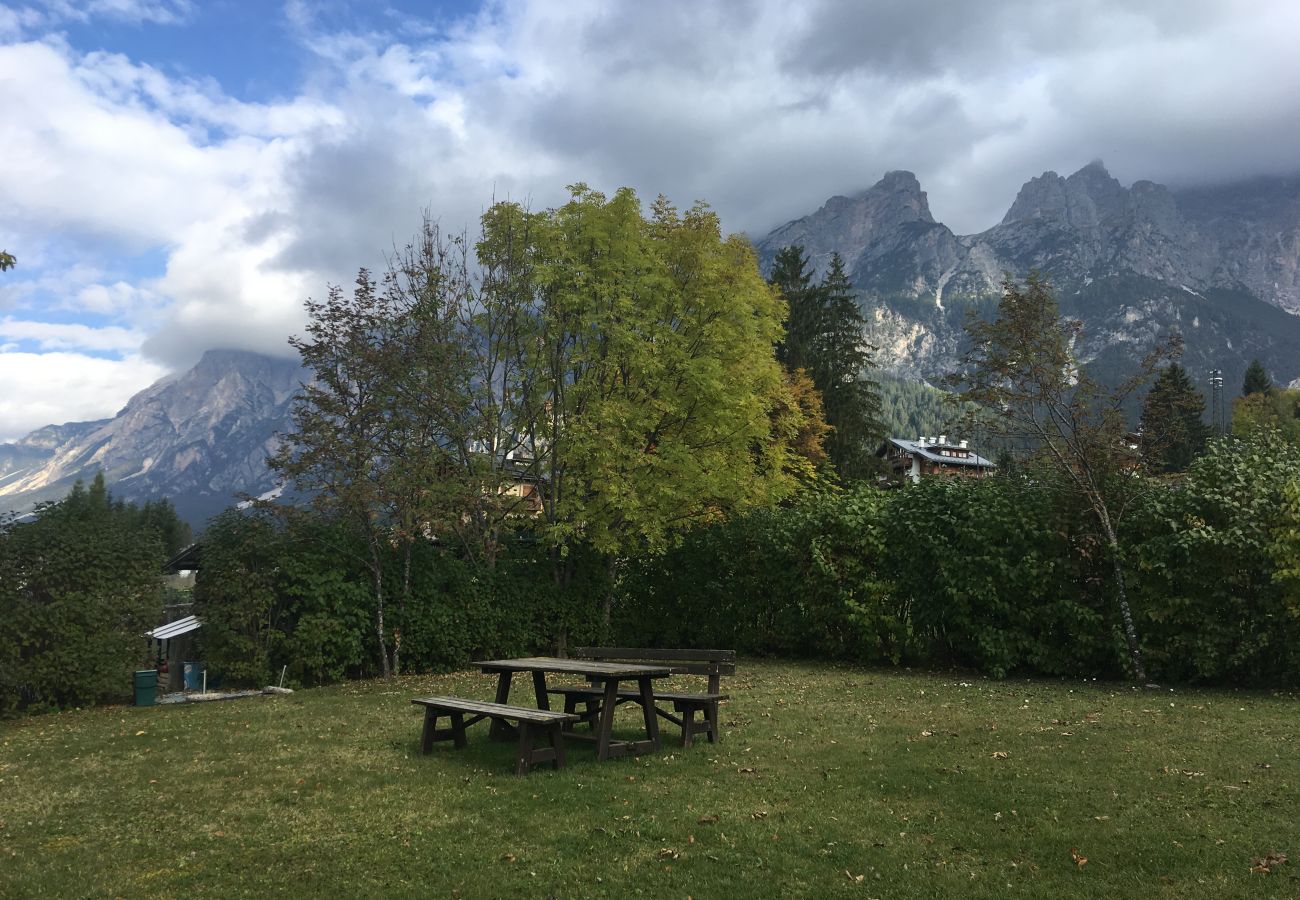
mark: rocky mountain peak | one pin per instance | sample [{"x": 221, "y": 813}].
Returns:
[
  {"x": 198, "y": 437},
  {"x": 845, "y": 225}
]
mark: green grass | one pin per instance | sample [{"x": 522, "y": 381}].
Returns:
[{"x": 830, "y": 782}]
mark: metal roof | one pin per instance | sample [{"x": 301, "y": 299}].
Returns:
[
  {"x": 922, "y": 450},
  {"x": 175, "y": 629}
]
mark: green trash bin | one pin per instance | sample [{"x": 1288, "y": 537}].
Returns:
[{"x": 146, "y": 686}]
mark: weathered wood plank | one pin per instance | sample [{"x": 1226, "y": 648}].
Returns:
[
  {"x": 494, "y": 710},
  {"x": 618, "y": 653}
]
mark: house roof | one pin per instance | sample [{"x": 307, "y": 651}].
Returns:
[
  {"x": 187, "y": 559},
  {"x": 175, "y": 629},
  {"x": 927, "y": 451}
]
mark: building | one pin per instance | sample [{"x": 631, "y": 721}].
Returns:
[{"x": 932, "y": 457}]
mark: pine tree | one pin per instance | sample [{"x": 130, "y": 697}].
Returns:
[
  {"x": 806, "y": 301},
  {"x": 1172, "y": 426},
  {"x": 841, "y": 370},
  {"x": 1256, "y": 380},
  {"x": 823, "y": 336}
]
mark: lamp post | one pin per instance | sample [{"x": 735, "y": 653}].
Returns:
[{"x": 1216, "y": 401}]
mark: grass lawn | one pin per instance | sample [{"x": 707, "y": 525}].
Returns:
[{"x": 830, "y": 782}]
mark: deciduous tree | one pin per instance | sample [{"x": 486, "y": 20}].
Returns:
[{"x": 1021, "y": 368}]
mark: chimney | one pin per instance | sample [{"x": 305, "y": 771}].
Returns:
[
  {"x": 943, "y": 438},
  {"x": 963, "y": 444}
]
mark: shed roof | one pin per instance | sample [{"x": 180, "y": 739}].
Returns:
[{"x": 175, "y": 629}]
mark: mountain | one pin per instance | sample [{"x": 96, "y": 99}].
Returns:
[
  {"x": 1221, "y": 265},
  {"x": 198, "y": 438}
]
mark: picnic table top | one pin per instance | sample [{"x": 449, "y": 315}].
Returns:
[{"x": 586, "y": 667}]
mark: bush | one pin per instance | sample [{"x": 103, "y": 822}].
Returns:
[
  {"x": 1204, "y": 554},
  {"x": 274, "y": 592},
  {"x": 990, "y": 576},
  {"x": 793, "y": 581}
]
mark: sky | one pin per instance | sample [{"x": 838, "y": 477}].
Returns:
[{"x": 180, "y": 175}]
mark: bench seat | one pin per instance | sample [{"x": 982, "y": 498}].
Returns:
[{"x": 530, "y": 723}]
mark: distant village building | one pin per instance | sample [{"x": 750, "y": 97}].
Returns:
[{"x": 932, "y": 457}]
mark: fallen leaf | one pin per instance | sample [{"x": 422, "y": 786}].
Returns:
[
  {"x": 1079, "y": 861},
  {"x": 1264, "y": 865},
  {"x": 1001, "y": 754},
  {"x": 138, "y": 733},
  {"x": 507, "y": 857},
  {"x": 668, "y": 853},
  {"x": 706, "y": 820},
  {"x": 760, "y": 814}
]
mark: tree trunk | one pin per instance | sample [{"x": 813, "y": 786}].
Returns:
[
  {"x": 401, "y": 608},
  {"x": 377, "y": 570},
  {"x": 607, "y": 609},
  {"x": 1130, "y": 632}
]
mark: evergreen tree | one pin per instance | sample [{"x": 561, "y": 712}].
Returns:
[
  {"x": 823, "y": 336},
  {"x": 1256, "y": 380},
  {"x": 841, "y": 366},
  {"x": 1172, "y": 425},
  {"x": 806, "y": 301}
]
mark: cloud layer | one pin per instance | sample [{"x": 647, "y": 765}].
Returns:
[{"x": 155, "y": 215}]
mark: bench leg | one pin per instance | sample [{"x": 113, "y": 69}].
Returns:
[
  {"x": 499, "y": 729},
  {"x": 557, "y": 742},
  {"x": 430, "y": 725},
  {"x": 688, "y": 725},
  {"x": 648, "y": 712},
  {"x": 458, "y": 729},
  {"x": 711, "y": 716},
  {"x": 525, "y": 760},
  {"x": 606, "y": 729}
]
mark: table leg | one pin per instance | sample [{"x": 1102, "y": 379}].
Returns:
[
  {"x": 539, "y": 688},
  {"x": 499, "y": 730},
  {"x": 606, "y": 729},
  {"x": 649, "y": 713}
]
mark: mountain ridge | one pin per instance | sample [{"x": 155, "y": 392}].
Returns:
[
  {"x": 1126, "y": 260},
  {"x": 199, "y": 438}
]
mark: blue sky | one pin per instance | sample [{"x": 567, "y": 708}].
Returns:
[{"x": 178, "y": 175}]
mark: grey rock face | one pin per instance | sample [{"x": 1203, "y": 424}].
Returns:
[
  {"x": 198, "y": 438},
  {"x": 1217, "y": 264}
]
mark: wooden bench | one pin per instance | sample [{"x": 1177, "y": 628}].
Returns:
[
  {"x": 530, "y": 723},
  {"x": 686, "y": 705}
]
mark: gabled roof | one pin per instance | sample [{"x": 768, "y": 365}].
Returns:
[
  {"x": 927, "y": 451},
  {"x": 175, "y": 629}
]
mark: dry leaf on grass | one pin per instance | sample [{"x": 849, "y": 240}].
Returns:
[
  {"x": 1079, "y": 861},
  {"x": 1001, "y": 754},
  {"x": 1264, "y": 865}
]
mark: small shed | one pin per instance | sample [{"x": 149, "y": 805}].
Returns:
[{"x": 172, "y": 645}]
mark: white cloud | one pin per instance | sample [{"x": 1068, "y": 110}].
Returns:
[
  {"x": 762, "y": 108},
  {"x": 38, "y": 389},
  {"x": 71, "y": 335}
]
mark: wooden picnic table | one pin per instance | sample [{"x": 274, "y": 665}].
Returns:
[{"x": 608, "y": 675}]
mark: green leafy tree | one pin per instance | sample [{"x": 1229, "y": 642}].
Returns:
[
  {"x": 1173, "y": 429},
  {"x": 1275, "y": 410},
  {"x": 79, "y": 586},
  {"x": 1021, "y": 369},
  {"x": 7, "y": 261},
  {"x": 656, "y": 343},
  {"x": 341, "y": 450},
  {"x": 1256, "y": 380}
]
